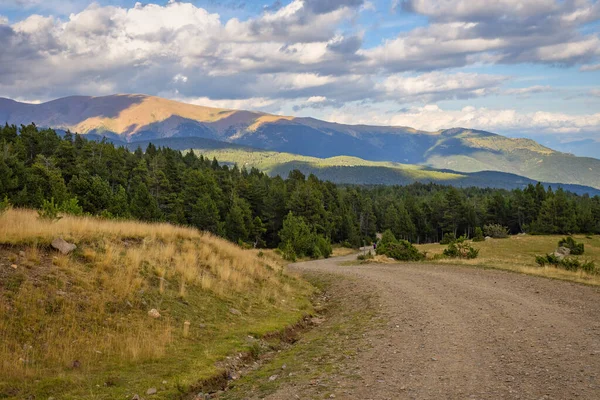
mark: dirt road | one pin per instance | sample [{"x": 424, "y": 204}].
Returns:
[{"x": 464, "y": 333}]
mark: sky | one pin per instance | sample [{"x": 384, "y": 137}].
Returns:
[{"x": 526, "y": 68}]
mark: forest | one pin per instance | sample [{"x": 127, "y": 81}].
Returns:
[{"x": 40, "y": 168}]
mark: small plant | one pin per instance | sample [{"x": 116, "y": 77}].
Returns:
[
  {"x": 402, "y": 250},
  {"x": 576, "y": 248},
  {"x": 567, "y": 263},
  {"x": 71, "y": 207},
  {"x": 448, "y": 238},
  {"x": 288, "y": 252},
  {"x": 478, "y": 237},
  {"x": 50, "y": 211},
  {"x": 495, "y": 231},
  {"x": 5, "y": 205},
  {"x": 364, "y": 257},
  {"x": 459, "y": 248}
]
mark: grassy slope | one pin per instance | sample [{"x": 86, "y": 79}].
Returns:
[
  {"x": 517, "y": 253},
  {"x": 76, "y": 326}
]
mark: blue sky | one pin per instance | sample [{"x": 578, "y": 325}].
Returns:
[{"x": 521, "y": 68}]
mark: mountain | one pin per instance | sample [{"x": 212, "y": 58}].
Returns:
[{"x": 135, "y": 118}]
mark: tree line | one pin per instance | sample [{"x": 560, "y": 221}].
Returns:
[{"x": 248, "y": 206}]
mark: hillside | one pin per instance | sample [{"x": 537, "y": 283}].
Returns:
[
  {"x": 131, "y": 118},
  {"x": 78, "y": 326}
]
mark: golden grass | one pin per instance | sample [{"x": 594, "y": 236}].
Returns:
[
  {"x": 91, "y": 306},
  {"x": 517, "y": 253}
]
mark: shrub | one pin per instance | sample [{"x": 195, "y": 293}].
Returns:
[
  {"x": 577, "y": 249},
  {"x": 323, "y": 245},
  {"x": 387, "y": 238},
  {"x": 495, "y": 231},
  {"x": 363, "y": 257},
  {"x": 5, "y": 205},
  {"x": 459, "y": 248},
  {"x": 49, "y": 210},
  {"x": 72, "y": 207},
  {"x": 567, "y": 263},
  {"x": 448, "y": 238},
  {"x": 478, "y": 237},
  {"x": 288, "y": 252},
  {"x": 402, "y": 250}
]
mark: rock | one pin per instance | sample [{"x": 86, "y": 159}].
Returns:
[
  {"x": 488, "y": 238},
  {"x": 151, "y": 391},
  {"x": 565, "y": 251},
  {"x": 14, "y": 266},
  {"x": 63, "y": 246},
  {"x": 234, "y": 311},
  {"x": 21, "y": 253},
  {"x": 154, "y": 313},
  {"x": 136, "y": 397},
  {"x": 273, "y": 377}
]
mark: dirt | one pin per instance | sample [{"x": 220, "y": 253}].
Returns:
[{"x": 451, "y": 332}]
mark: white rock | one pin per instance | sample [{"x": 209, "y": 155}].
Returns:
[
  {"x": 63, "y": 246},
  {"x": 154, "y": 313}
]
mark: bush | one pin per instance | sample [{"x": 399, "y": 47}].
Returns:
[
  {"x": 49, "y": 210},
  {"x": 363, "y": 257},
  {"x": 448, "y": 238},
  {"x": 387, "y": 238},
  {"x": 5, "y": 205},
  {"x": 401, "y": 250},
  {"x": 461, "y": 249},
  {"x": 495, "y": 231},
  {"x": 478, "y": 237},
  {"x": 72, "y": 207},
  {"x": 288, "y": 252},
  {"x": 567, "y": 263},
  {"x": 577, "y": 249},
  {"x": 323, "y": 245}
]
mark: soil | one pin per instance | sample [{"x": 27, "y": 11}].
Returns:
[{"x": 451, "y": 332}]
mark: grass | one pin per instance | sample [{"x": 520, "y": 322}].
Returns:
[
  {"x": 517, "y": 253},
  {"x": 77, "y": 326},
  {"x": 314, "y": 364}
]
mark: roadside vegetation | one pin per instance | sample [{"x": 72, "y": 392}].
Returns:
[
  {"x": 81, "y": 325},
  {"x": 519, "y": 253}
]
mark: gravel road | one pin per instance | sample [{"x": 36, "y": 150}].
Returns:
[{"x": 464, "y": 333}]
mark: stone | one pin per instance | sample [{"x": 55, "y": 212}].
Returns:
[
  {"x": 63, "y": 246},
  {"x": 151, "y": 391},
  {"x": 273, "y": 377},
  {"x": 565, "y": 251},
  {"x": 21, "y": 253},
  {"x": 234, "y": 311},
  {"x": 154, "y": 313},
  {"x": 14, "y": 266},
  {"x": 488, "y": 238},
  {"x": 136, "y": 397}
]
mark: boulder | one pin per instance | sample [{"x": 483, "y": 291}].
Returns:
[
  {"x": 564, "y": 251},
  {"x": 154, "y": 313},
  {"x": 63, "y": 246},
  {"x": 488, "y": 238},
  {"x": 151, "y": 391}
]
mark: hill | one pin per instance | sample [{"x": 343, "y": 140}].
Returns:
[
  {"x": 131, "y": 118},
  {"x": 77, "y": 326}
]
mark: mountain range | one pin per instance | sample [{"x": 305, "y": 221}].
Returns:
[{"x": 131, "y": 119}]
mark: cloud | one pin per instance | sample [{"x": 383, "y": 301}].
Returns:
[
  {"x": 433, "y": 118},
  {"x": 526, "y": 91},
  {"x": 590, "y": 67}
]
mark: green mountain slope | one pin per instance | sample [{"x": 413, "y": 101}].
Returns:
[{"x": 134, "y": 118}]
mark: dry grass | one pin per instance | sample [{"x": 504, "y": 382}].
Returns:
[
  {"x": 73, "y": 314},
  {"x": 517, "y": 253}
]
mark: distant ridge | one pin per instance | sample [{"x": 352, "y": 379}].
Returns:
[{"x": 140, "y": 118}]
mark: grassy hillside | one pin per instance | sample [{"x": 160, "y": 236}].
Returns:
[
  {"x": 517, "y": 253},
  {"x": 353, "y": 170},
  {"x": 77, "y": 326}
]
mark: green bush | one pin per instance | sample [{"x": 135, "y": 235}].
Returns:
[
  {"x": 448, "y": 238},
  {"x": 323, "y": 245},
  {"x": 478, "y": 237},
  {"x": 401, "y": 250},
  {"x": 387, "y": 238},
  {"x": 459, "y": 248},
  {"x": 577, "y": 249},
  {"x": 567, "y": 263},
  {"x": 288, "y": 252},
  {"x": 5, "y": 205},
  {"x": 71, "y": 207},
  {"x": 495, "y": 231},
  {"x": 50, "y": 210},
  {"x": 363, "y": 257}
]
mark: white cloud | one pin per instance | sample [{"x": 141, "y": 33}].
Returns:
[
  {"x": 316, "y": 99},
  {"x": 433, "y": 118},
  {"x": 3, "y": 20},
  {"x": 590, "y": 67},
  {"x": 528, "y": 90}
]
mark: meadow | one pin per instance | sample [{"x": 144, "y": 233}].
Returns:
[
  {"x": 77, "y": 326},
  {"x": 517, "y": 253}
]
